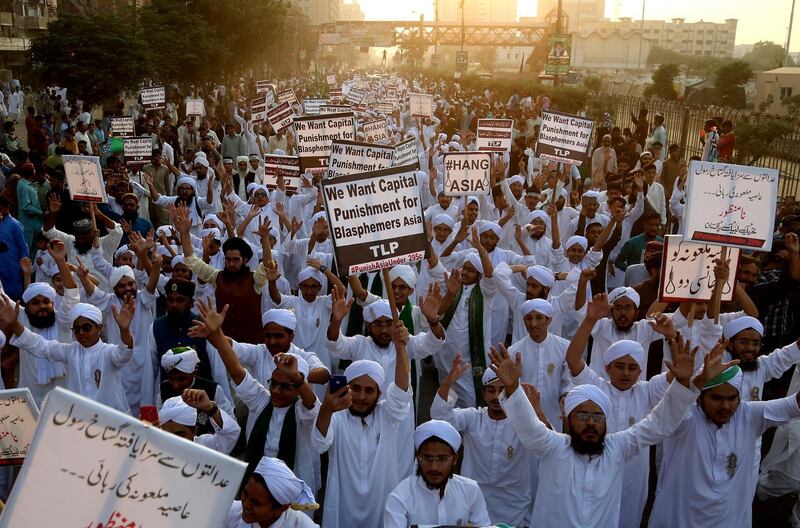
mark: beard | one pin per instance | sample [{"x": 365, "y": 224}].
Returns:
[
  {"x": 46, "y": 321},
  {"x": 584, "y": 447},
  {"x": 747, "y": 366},
  {"x": 428, "y": 484},
  {"x": 176, "y": 318},
  {"x": 363, "y": 414}
]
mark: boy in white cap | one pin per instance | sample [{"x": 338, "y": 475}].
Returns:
[
  {"x": 590, "y": 203},
  {"x": 180, "y": 364},
  {"x": 186, "y": 194},
  {"x": 436, "y": 495},
  {"x": 179, "y": 416},
  {"x": 93, "y": 367}
]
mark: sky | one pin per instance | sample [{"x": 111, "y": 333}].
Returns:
[{"x": 758, "y": 19}]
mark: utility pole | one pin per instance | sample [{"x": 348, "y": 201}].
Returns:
[
  {"x": 641, "y": 33},
  {"x": 559, "y": 31},
  {"x": 463, "y": 38},
  {"x": 789, "y": 36},
  {"x": 436, "y": 27}
]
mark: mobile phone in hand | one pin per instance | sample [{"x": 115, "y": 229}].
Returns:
[
  {"x": 148, "y": 413},
  {"x": 336, "y": 383}
]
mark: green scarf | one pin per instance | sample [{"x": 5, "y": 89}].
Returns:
[
  {"x": 477, "y": 355},
  {"x": 258, "y": 440},
  {"x": 408, "y": 322}
]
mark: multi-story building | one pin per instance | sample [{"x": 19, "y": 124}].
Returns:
[
  {"x": 477, "y": 11},
  {"x": 577, "y": 13},
  {"x": 20, "y": 22},
  {"x": 320, "y": 11},
  {"x": 351, "y": 12}
]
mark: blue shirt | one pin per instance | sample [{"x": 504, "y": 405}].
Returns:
[{"x": 12, "y": 249}]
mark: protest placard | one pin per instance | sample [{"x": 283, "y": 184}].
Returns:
[
  {"x": 258, "y": 109},
  {"x": 288, "y": 166},
  {"x": 564, "y": 138},
  {"x": 18, "y": 417},
  {"x": 335, "y": 94},
  {"x": 331, "y": 79},
  {"x": 355, "y": 95},
  {"x": 330, "y": 108},
  {"x": 288, "y": 96},
  {"x": 195, "y": 107},
  {"x": 731, "y": 205},
  {"x": 687, "y": 271},
  {"x": 315, "y": 134},
  {"x": 153, "y": 98},
  {"x": 262, "y": 86},
  {"x": 281, "y": 117},
  {"x": 495, "y": 134},
  {"x": 121, "y": 126},
  {"x": 95, "y": 466},
  {"x": 559, "y": 50},
  {"x": 421, "y": 105},
  {"x": 375, "y": 219},
  {"x": 85, "y": 178},
  {"x": 384, "y": 108},
  {"x": 312, "y": 106},
  {"x": 376, "y": 131},
  {"x": 467, "y": 173},
  {"x": 353, "y": 157},
  {"x": 138, "y": 151},
  {"x": 405, "y": 153}
]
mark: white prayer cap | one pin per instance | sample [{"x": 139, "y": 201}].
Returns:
[
  {"x": 251, "y": 187},
  {"x": 283, "y": 485},
  {"x": 516, "y": 179},
  {"x": 456, "y": 146},
  {"x": 625, "y": 347},
  {"x": 732, "y": 375},
  {"x": 437, "y": 429},
  {"x": 118, "y": 273},
  {"x": 577, "y": 239},
  {"x": 201, "y": 160},
  {"x": 583, "y": 393},
  {"x": 443, "y": 219},
  {"x": 200, "y": 154},
  {"x": 489, "y": 376},
  {"x": 490, "y": 226},
  {"x": 122, "y": 250},
  {"x": 376, "y": 310},
  {"x": 592, "y": 194},
  {"x": 442, "y": 136},
  {"x": 456, "y": 137},
  {"x": 214, "y": 218},
  {"x": 645, "y": 153},
  {"x": 737, "y": 325},
  {"x": 542, "y": 275},
  {"x": 186, "y": 180},
  {"x": 242, "y": 159},
  {"x": 472, "y": 199},
  {"x": 405, "y": 273},
  {"x": 176, "y": 410},
  {"x": 317, "y": 216},
  {"x": 366, "y": 367},
  {"x": 475, "y": 260},
  {"x": 302, "y": 364},
  {"x": 252, "y": 157},
  {"x": 165, "y": 230},
  {"x": 38, "y": 288},
  {"x": 278, "y": 152},
  {"x": 537, "y": 213},
  {"x": 310, "y": 273},
  {"x": 183, "y": 358},
  {"x": 537, "y": 305},
  {"x": 280, "y": 317},
  {"x": 623, "y": 291},
  {"x": 88, "y": 311},
  {"x": 163, "y": 251}
]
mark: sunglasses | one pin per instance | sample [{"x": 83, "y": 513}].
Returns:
[
  {"x": 85, "y": 328},
  {"x": 283, "y": 386}
]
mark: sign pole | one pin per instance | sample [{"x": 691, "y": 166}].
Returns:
[
  {"x": 387, "y": 283},
  {"x": 716, "y": 301}
]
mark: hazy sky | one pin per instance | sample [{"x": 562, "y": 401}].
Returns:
[{"x": 758, "y": 19}]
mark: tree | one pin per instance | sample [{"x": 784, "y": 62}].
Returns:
[
  {"x": 94, "y": 57},
  {"x": 766, "y": 55},
  {"x": 593, "y": 83},
  {"x": 758, "y": 138},
  {"x": 664, "y": 82},
  {"x": 792, "y": 105},
  {"x": 487, "y": 57},
  {"x": 729, "y": 84}
]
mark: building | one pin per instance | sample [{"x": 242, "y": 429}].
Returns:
[
  {"x": 20, "y": 22},
  {"x": 774, "y": 86},
  {"x": 320, "y": 11},
  {"x": 609, "y": 51},
  {"x": 477, "y": 11},
  {"x": 577, "y": 13},
  {"x": 351, "y": 12}
]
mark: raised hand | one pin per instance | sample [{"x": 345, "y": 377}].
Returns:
[
  {"x": 588, "y": 274},
  {"x": 430, "y": 304},
  {"x": 507, "y": 369},
  {"x": 475, "y": 241},
  {"x": 534, "y": 396},
  {"x": 598, "y": 307},
  {"x": 682, "y": 364},
  {"x": 197, "y": 398},
  {"x": 791, "y": 242},
  {"x": 9, "y": 312},
  {"x": 461, "y": 234},
  {"x": 272, "y": 271},
  {"x": 181, "y": 220},
  {"x": 318, "y": 228},
  {"x": 157, "y": 261},
  {"x": 210, "y": 317},
  {"x": 26, "y": 265},
  {"x": 81, "y": 270},
  {"x": 338, "y": 401},
  {"x": 713, "y": 365},
  {"x": 263, "y": 228},
  {"x": 296, "y": 225},
  {"x": 57, "y": 249},
  {"x": 340, "y": 305},
  {"x": 124, "y": 316},
  {"x": 400, "y": 332},
  {"x": 722, "y": 270},
  {"x": 458, "y": 369},
  {"x": 663, "y": 324},
  {"x": 288, "y": 363},
  {"x": 54, "y": 203}
]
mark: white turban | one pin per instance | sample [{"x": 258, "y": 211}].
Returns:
[
  {"x": 623, "y": 291},
  {"x": 577, "y": 239},
  {"x": 439, "y": 429},
  {"x": 185, "y": 359},
  {"x": 88, "y": 311},
  {"x": 302, "y": 364},
  {"x": 490, "y": 226},
  {"x": 280, "y": 317},
  {"x": 366, "y": 367},
  {"x": 475, "y": 260},
  {"x": 176, "y": 410},
  {"x": 163, "y": 251},
  {"x": 443, "y": 219},
  {"x": 211, "y": 231},
  {"x": 38, "y": 288},
  {"x": 516, "y": 179},
  {"x": 214, "y": 218},
  {"x": 592, "y": 194},
  {"x": 489, "y": 376},
  {"x": 625, "y": 347},
  {"x": 252, "y": 186},
  {"x": 279, "y": 152},
  {"x": 165, "y": 230},
  {"x": 405, "y": 273},
  {"x": 456, "y": 146},
  {"x": 732, "y": 376},
  {"x": 118, "y": 273},
  {"x": 310, "y": 273},
  {"x": 537, "y": 305},
  {"x": 187, "y": 181},
  {"x": 242, "y": 159},
  {"x": 122, "y": 250},
  {"x": 283, "y": 485},
  {"x": 376, "y": 310},
  {"x": 178, "y": 259},
  {"x": 201, "y": 160},
  {"x": 200, "y": 154},
  {"x": 734, "y": 327},
  {"x": 584, "y": 393},
  {"x": 472, "y": 199},
  {"x": 537, "y": 213},
  {"x": 317, "y": 216},
  {"x": 542, "y": 275}
]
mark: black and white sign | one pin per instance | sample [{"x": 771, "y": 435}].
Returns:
[
  {"x": 384, "y": 108},
  {"x": 421, "y": 105},
  {"x": 288, "y": 96},
  {"x": 258, "y": 109},
  {"x": 122, "y": 126},
  {"x": 280, "y": 117},
  {"x": 331, "y": 80},
  {"x": 312, "y": 106},
  {"x": 329, "y": 108},
  {"x": 288, "y": 166},
  {"x": 376, "y": 131},
  {"x": 405, "y": 153},
  {"x": 353, "y": 157},
  {"x": 687, "y": 271},
  {"x": 316, "y": 133},
  {"x": 376, "y": 219},
  {"x": 355, "y": 95},
  {"x": 564, "y": 138},
  {"x": 138, "y": 151},
  {"x": 18, "y": 417},
  {"x": 85, "y": 178},
  {"x": 153, "y": 98},
  {"x": 467, "y": 173},
  {"x": 335, "y": 94},
  {"x": 495, "y": 134},
  {"x": 262, "y": 86},
  {"x": 195, "y": 107}
]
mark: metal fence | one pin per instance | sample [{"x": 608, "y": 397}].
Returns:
[{"x": 684, "y": 123}]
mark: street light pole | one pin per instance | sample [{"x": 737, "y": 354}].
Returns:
[
  {"x": 789, "y": 36},
  {"x": 641, "y": 33},
  {"x": 462, "y": 25}
]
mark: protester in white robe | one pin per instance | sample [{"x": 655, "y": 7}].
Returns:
[
  {"x": 178, "y": 415},
  {"x": 436, "y": 496}
]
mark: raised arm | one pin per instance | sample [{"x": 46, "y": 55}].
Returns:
[
  {"x": 339, "y": 310},
  {"x": 210, "y": 325},
  {"x": 597, "y": 309},
  {"x": 486, "y": 261}
]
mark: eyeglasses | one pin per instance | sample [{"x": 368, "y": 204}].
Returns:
[
  {"x": 382, "y": 324},
  {"x": 283, "y": 386},
  {"x": 428, "y": 459},
  {"x": 233, "y": 259},
  {"x": 749, "y": 342},
  {"x": 85, "y": 328},
  {"x": 596, "y": 417}
]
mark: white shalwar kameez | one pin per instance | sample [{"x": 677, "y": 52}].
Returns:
[
  {"x": 289, "y": 519},
  {"x": 413, "y": 503},
  {"x": 605, "y": 333},
  {"x": 259, "y": 360}
]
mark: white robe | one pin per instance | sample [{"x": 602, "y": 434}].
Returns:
[
  {"x": 224, "y": 438},
  {"x": 312, "y": 324},
  {"x": 258, "y": 360},
  {"x": 413, "y": 503},
  {"x": 606, "y": 333},
  {"x": 289, "y": 519}
]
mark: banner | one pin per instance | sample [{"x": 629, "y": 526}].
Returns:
[
  {"x": 687, "y": 271},
  {"x": 335, "y": 94},
  {"x": 153, "y": 98},
  {"x": 495, "y": 134},
  {"x": 462, "y": 61},
  {"x": 312, "y": 106},
  {"x": 280, "y": 117},
  {"x": 405, "y": 153},
  {"x": 564, "y": 138},
  {"x": 384, "y": 108},
  {"x": 288, "y": 96},
  {"x": 195, "y": 107},
  {"x": 376, "y": 131},
  {"x": 353, "y": 157},
  {"x": 288, "y": 166},
  {"x": 355, "y": 95},
  {"x": 258, "y": 109},
  {"x": 85, "y": 178},
  {"x": 121, "y": 126},
  {"x": 314, "y": 136},
  {"x": 331, "y": 80},
  {"x": 559, "y": 50},
  {"x": 421, "y": 105},
  {"x": 467, "y": 173},
  {"x": 731, "y": 205},
  {"x": 138, "y": 151},
  {"x": 262, "y": 86},
  {"x": 94, "y": 466},
  {"x": 329, "y": 108},
  {"x": 18, "y": 417},
  {"x": 376, "y": 219}
]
